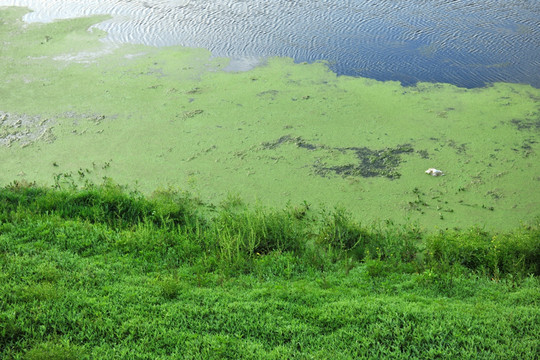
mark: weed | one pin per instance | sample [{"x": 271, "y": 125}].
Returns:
[
  {"x": 52, "y": 351},
  {"x": 170, "y": 287},
  {"x": 130, "y": 276}
]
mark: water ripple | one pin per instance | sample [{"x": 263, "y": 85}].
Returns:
[{"x": 465, "y": 42}]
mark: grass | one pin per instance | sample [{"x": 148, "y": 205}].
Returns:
[{"x": 102, "y": 272}]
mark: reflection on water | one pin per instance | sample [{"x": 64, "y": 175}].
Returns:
[{"x": 464, "y": 42}]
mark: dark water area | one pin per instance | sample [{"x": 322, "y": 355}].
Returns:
[{"x": 463, "y": 42}]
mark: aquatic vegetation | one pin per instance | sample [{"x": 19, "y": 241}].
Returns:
[{"x": 171, "y": 117}]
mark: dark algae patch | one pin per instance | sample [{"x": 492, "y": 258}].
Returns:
[
  {"x": 384, "y": 162},
  {"x": 531, "y": 124},
  {"x": 289, "y": 139},
  {"x": 371, "y": 163},
  {"x": 74, "y": 109},
  {"x": 190, "y": 114}
]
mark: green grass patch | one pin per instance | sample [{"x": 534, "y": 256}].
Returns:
[{"x": 167, "y": 276}]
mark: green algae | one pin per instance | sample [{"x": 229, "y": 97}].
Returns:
[{"x": 164, "y": 117}]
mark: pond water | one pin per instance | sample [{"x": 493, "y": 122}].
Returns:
[{"x": 468, "y": 43}]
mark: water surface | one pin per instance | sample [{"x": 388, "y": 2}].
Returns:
[{"x": 463, "y": 42}]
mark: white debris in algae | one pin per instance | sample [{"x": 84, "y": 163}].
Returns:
[{"x": 434, "y": 172}]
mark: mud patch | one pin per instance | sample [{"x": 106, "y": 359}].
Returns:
[{"x": 24, "y": 129}]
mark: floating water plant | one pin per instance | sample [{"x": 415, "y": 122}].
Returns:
[{"x": 351, "y": 141}]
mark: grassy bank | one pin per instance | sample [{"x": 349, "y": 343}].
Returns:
[{"x": 103, "y": 272}]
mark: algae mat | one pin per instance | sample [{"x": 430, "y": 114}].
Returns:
[{"x": 76, "y": 109}]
